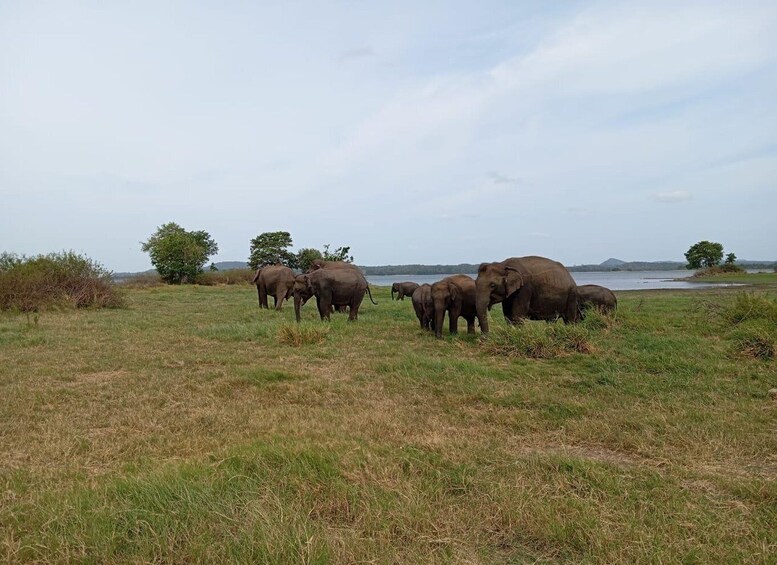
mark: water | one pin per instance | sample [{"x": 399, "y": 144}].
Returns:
[{"x": 614, "y": 280}]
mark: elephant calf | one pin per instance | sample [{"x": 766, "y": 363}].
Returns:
[
  {"x": 423, "y": 306},
  {"x": 595, "y": 296},
  {"x": 403, "y": 289},
  {"x": 456, "y": 295}
]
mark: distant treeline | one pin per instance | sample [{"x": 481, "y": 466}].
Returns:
[{"x": 470, "y": 268}]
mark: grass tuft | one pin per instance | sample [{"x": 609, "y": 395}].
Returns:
[
  {"x": 539, "y": 340},
  {"x": 298, "y": 335},
  {"x": 750, "y": 306},
  {"x": 755, "y": 339}
]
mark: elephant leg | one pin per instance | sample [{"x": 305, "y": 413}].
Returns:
[
  {"x": 279, "y": 297},
  {"x": 324, "y": 307},
  {"x": 263, "y": 296},
  {"x": 572, "y": 313},
  {"x": 470, "y": 324},
  {"x": 453, "y": 314},
  {"x": 259, "y": 294},
  {"x": 519, "y": 305}
]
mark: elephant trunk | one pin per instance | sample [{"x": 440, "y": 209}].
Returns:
[
  {"x": 439, "y": 317},
  {"x": 297, "y": 305},
  {"x": 481, "y": 310}
]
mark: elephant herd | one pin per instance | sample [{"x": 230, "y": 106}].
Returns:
[{"x": 534, "y": 288}]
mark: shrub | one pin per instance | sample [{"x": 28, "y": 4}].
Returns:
[
  {"x": 232, "y": 276},
  {"x": 539, "y": 340},
  {"x": 298, "y": 335},
  {"x": 56, "y": 280}
]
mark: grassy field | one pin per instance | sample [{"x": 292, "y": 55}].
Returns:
[{"x": 193, "y": 427}]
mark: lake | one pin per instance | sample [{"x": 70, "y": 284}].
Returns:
[{"x": 614, "y": 280}]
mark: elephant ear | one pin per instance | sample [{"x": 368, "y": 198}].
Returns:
[
  {"x": 513, "y": 280},
  {"x": 453, "y": 290}
]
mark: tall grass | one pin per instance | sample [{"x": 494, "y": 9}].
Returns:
[
  {"x": 56, "y": 280},
  {"x": 232, "y": 276},
  {"x": 539, "y": 340}
]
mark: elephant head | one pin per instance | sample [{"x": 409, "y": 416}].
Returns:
[
  {"x": 394, "y": 288},
  {"x": 495, "y": 282},
  {"x": 444, "y": 295},
  {"x": 303, "y": 290}
]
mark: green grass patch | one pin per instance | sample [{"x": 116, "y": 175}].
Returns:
[{"x": 539, "y": 340}]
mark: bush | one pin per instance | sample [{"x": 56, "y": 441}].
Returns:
[
  {"x": 750, "y": 306},
  {"x": 298, "y": 335},
  {"x": 56, "y": 280},
  {"x": 232, "y": 276},
  {"x": 539, "y": 340}
]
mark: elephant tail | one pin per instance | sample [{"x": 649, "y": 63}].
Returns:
[{"x": 370, "y": 293}]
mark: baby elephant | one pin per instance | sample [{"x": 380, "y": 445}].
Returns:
[
  {"x": 403, "y": 289},
  {"x": 423, "y": 306},
  {"x": 455, "y": 295},
  {"x": 595, "y": 296}
]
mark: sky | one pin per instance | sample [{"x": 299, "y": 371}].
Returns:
[{"x": 414, "y": 132}]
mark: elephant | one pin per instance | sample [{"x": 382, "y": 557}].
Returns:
[
  {"x": 423, "y": 306},
  {"x": 403, "y": 289},
  {"x": 331, "y": 287},
  {"x": 276, "y": 281},
  {"x": 595, "y": 296},
  {"x": 456, "y": 294},
  {"x": 317, "y": 264},
  {"x": 531, "y": 287}
]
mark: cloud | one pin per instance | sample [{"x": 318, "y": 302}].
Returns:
[
  {"x": 672, "y": 196},
  {"x": 502, "y": 179},
  {"x": 355, "y": 53}
]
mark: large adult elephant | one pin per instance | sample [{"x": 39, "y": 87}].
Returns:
[
  {"x": 276, "y": 281},
  {"x": 531, "y": 287},
  {"x": 403, "y": 289},
  {"x": 331, "y": 287},
  {"x": 595, "y": 296},
  {"x": 423, "y": 306},
  {"x": 455, "y": 295},
  {"x": 319, "y": 264}
]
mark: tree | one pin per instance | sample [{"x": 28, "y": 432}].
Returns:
[
  {"x": 270, "y": 248},
  {"x": 704, "y": 254},
  {"x": 731, "y": 259},
  {"x": 339, "y": 254},
  {"x": 306, "y": 256},
  {"x": 179, "y": 255}
]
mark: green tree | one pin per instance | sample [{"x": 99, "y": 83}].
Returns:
[
  {"x": 704, "y": 254},
  {"x": 731, "y": 259},
  {"x": 339, "y": 254},
  {"x": 179, "y": 255},
  {"x": 270, "y": 248},
  {"x": 306, "y": 256}
]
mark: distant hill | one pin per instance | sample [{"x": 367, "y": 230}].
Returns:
[
  {"x": 609, "y": 263},
  {"x": 230, "y": 265}
]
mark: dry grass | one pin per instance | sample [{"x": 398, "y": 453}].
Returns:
[{"x": 180, "y": 430}]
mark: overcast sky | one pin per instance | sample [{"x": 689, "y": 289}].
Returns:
[{"x": 415, "y": 132}]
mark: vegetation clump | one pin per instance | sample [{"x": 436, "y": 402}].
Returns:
[
  {"x": 751, "y": 306},
  {"x": 56, "y": 280},
  {"x": 231, "y": 276},
  {"x": 539, "y": 340},
  {"x": 298, "y": 335}
]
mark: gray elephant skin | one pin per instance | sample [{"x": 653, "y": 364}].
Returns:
[
  {"x": 456, "y": 296},
  {"x": 423, "y": 306},
  {"x": 331, "y": 287},
  {"x": 403, "y": 289},
  {"x": 530, "y": 287},
  {"x": 595, "y": 296},
  {"x": 276, "y": 281}
]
